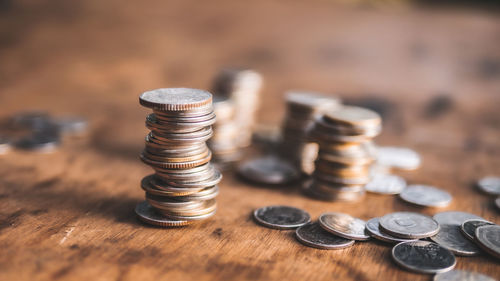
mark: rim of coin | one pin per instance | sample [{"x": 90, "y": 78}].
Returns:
[
  {"x": 313, "y": 235},
  {"x": 268, "y": 170},
  {"x": 469, "y": 227},
  {"x": 193, "y": 218},
  {"x": 437, "y": 258},
  {"x": 450, "y": 237},
  {"x": 489, "y": 185},
  {"x": 281, "y": 217},
  {"x": 425, "y": 196},
  {"x": 151, "y": 181},
  {"x": 488, "y": 238},
  {"x": 461, "y": 275},
  {"x": 176, "y": 165},
  {"x": 344, "y": 225},
  {"x": 386, "y": 184},
  {"x": 175, "y": 99},
  {"x": 353, "y": 115},
  {"x": 213, "y": 180},
  {"x": 147, "y": 214},
  {"x": 454, "y": 217},
  {"x": 409, "y": 225},
  {"x": 372, "y": 226}
]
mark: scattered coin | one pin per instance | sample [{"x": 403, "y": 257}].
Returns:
[
  {"x": 386, "y": 184},
  {"x": 454, "y": 217},
  {"x": 488, "y": 237},
  {"x": 344, "y": 225},
  {"x": 450, "y": 237},
  {"x": 490, "y": 185},
  {"x": 281, "y": 217},
  {"x": 313, "y": 235},
  {"x": 398, "y": 158},
  {"x": 423, "y": 257},
  {"x": 461, "y": 275},
  {"x": 409, "y": 225},
  {"x": 426, "y": 196},
  {"x": 372, "y": 226},
  {"x": 469, "y": 227},
  {"x": 268, "y": 170}
]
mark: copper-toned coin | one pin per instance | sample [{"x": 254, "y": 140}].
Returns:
[
  {"x": 176, "y": 165},
  {"x": 344, "y": 225},
  {"x": 175, "y": 99},
  {"x": 313, "y": 235},
  {"x": 146, "y": 213}
]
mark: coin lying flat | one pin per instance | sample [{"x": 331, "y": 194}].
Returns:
[
  {"x": 372, "y": 226},
  {"x": 488, "y": 237},
  {"x": 426, "y": 196},
  {"x": 461, "y": 275},
  {"x": 281, "y": 217},
  {"x": 268, "y": 170},
  {"x": 146, "y": 213},
  {"x": 398, "y": 158},
  {"x": 469, "y": 227},
  {"x": 490, "y": 185},
  {"x": 344, "y": 225},
  {"x": 313, "y": 235},
  {"x": 409, "y": 225},
  {"x": 175, "y": 99},
  {"x": 454, "y": 217},
  {"x": 423, "y": 257},
  {"x": 386, "y": 184},
  {"x": 450, "y": 237}
]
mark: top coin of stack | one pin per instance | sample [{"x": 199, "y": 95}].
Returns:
[
  {"x": 302, "y": 109},
  {"x": 184, "y": 185},
  {"x": 344, "y": 158},
  {"x": 242, "y": 86}
]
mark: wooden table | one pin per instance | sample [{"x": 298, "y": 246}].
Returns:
[{"x": 433, "y": 74}]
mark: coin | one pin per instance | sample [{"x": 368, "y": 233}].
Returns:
[
  {"x": 281, "y": 217},
  {"x": 313, "y": 235},
  {"x": 469, "y": 227},
  {"x": 386, "y": 184},
  {"x": 450, "y": 237},
  {"x": 147, "y": 214},
  {"x": 175, "y": 99},
  {"x": 353, "y": 115},
  {"x": 409, "y": 225},
  {"x": 5, "y": 145},
  {"x": 454, "y": 217},
  {"x": 73, "y": 125},
  {"x": 426, "y": 196},
  {"x": 398, "y": 158},
  {"x": 423, "y": 257},
  {"x": 497, "y": 202},
  {"x": 462, "y": 275},
  {"x": 490, "y": 185},
  {"x": 372, "y": 226},
  {"x": 42, "y": 141},
  {"x": 488, "y": 237},
  {"x": 268, "y": 170},
  {"x": 344, "y": 225}
]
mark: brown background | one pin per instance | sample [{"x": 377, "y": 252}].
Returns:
[{"x": 434, "y": 74}]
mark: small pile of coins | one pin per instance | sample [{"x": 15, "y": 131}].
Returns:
[
  {"x": 302, "y": 109},
  {"x": 184, "y": 186},
  {"x": 345, "y": 153}
]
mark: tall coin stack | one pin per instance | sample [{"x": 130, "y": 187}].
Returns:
[
  {"x": 302, "y": 109},
  {"x": 184, "y": 186},
  {"x": 242, "y": 87},
  {"x": 345, "y": 153}
]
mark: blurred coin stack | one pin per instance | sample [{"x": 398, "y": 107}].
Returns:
[
  {"x": 302, "y": 109},
  {"x": 184, "y": 186},
  {"x": 345, "y": 153},
  {"x": 242, "y": 87}
]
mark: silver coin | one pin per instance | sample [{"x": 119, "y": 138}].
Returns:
[
  {"x": 281, "y": 217},
  {"x": 268, "y": 170},
  {"x": 469, "y": 227},
  {"x": 313, "y": 235},
  {"x": 426, "y": 196},
  {"x": 450, "y": 237},
  {"x": 490, "y": 185},
  {"x": 454, "y": 217},
  {"x": 71, "y": 124},
  {"x": 488, "y": 237},
  {"x": 373, "y": 227},
  {"x": 398, "y": 158},
  {"x": 409, "y": 225},
  {"x": 344, "y": 225},
  {"x": 386, "y": 184},
  {"x": 146, "y": 213},
  {"x": 461, "y": 275},
  {"x": 175, "y": 99},
  {"x": 423, "y": 257}
]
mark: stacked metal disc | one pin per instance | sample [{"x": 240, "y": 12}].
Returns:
[
  {"x": 242, "y": 87},
  {"x": 345, "y": 153},
  {"x": 184, "y": 186},
  {"x": 302, "y": 109}
]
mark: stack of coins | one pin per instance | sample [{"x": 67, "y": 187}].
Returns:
[
  {"x": 302, "y": 109},
  {"x": 242, "y": 86},
  {"x": 184, "y": 186},
  {"x": 345, "y": 153}
]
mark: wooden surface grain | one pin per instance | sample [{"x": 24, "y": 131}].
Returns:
[{"x": 433, "y": 74}]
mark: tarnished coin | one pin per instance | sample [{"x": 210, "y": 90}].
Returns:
[
  {"x": 490, "y": 185},
  {"x": 268, "y": 170},
  {"x": 461, "y": 275},
  {"x": 423, "y": 257},
  {"x": 146, "y": 213},
  {"x": 426, "y": 196},
  {"x": 281, "y": 217},
  {"x": 409, "y": 225},
  {"x": 386, "y": 184},
  {"x": 372, "y": 226},
  {"x": 175, "y": 99},
  {"x": 450, "y": 237},
  {"x": 313, "y": 235},
  {"x": 454, "y": 217},
  {"x": 398, "y": 158},
  {"x": 488, "y": 237},
  {"x": 344, "y": 225},
  {"x": 469, "y": 227}
]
